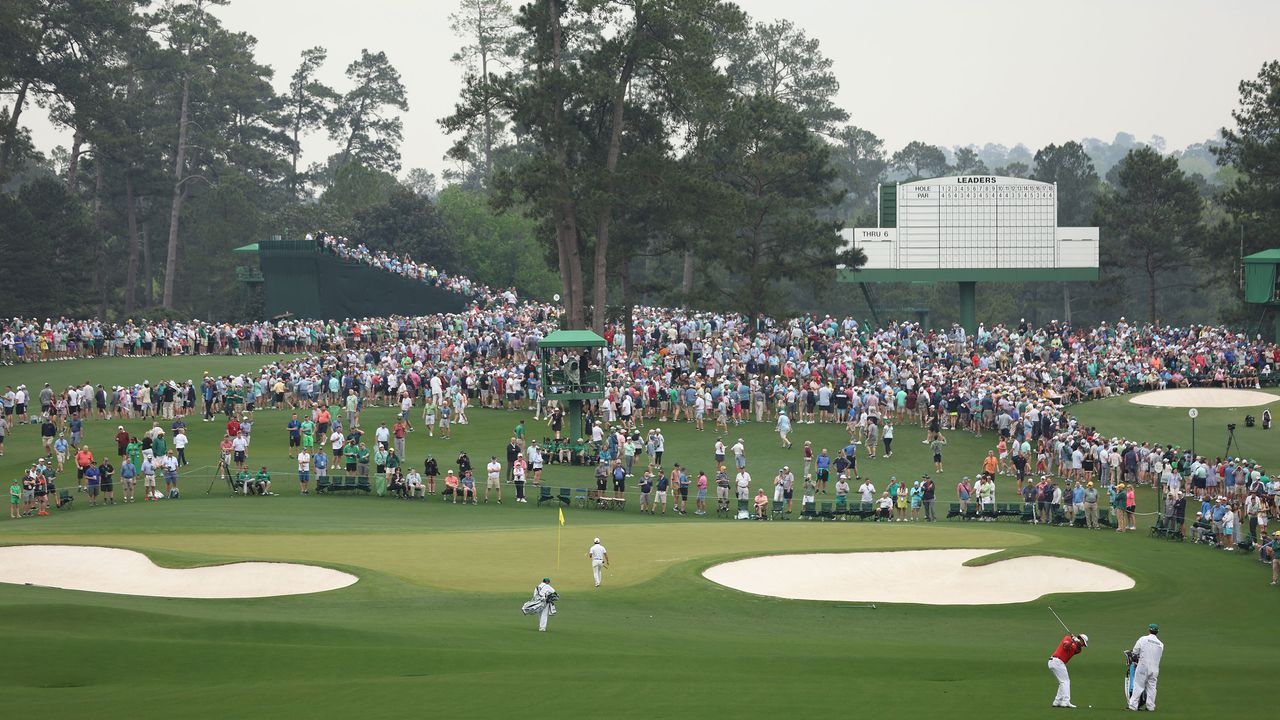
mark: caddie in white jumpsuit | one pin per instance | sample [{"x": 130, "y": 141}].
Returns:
[
  {"x": 544, "y": 592},
  {"x": 1149, "y": 650},
  {"x": 599, "y": 558}
]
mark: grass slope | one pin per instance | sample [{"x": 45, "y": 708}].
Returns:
[{"x": 433, "y": 625}]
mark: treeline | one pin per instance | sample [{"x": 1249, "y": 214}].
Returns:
[
  {"x": 616, "y": 153},
  {"x": 183, "y": 149}
]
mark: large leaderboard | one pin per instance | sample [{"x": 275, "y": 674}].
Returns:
[
  {"x": 974, "y": 222},
  {"x": 970, "y": 229}
]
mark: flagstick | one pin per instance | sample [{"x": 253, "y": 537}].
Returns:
[{"x": 557, "y": 548}]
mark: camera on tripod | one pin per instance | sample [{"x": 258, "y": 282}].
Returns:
[{"x": 1231, "y": 427}]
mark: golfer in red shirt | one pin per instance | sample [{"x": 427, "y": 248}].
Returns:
[{"x": 1070, "y": 646}]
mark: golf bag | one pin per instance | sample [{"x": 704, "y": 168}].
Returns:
[
  {"x": 1131, "y": 670},
  {"x": 534, "y": 606}
]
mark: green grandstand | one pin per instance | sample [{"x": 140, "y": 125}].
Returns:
[{"x": 300, "y": 280}]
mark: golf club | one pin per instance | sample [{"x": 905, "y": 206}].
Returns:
[{"x": 1064, "y": 625}]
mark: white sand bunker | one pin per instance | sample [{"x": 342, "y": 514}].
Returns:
[
  {"x": 929, "y": 577},
  {"x": 125, "y": 572},
  {"x": 1203, "y": 397}
]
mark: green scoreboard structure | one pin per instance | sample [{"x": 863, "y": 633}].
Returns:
[
  {"x": 1262, "y": 282},
  {"x": 969, "y": 229},
  {"x": 572, "y": 372}
]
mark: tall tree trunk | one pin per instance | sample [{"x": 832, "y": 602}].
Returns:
[
  {"x": 294, "y": 151},
  {"x": 171, "y": 260},
  {"x": 11, "y": 131},
  {"x": 600, "y": 279},
  {"x": 101, "y": 273},
  {"x": 148, "y": 276},
  {"x": 1066, "y": 303},
  {"x": 135, "y": 244},
  {"x": 628, "y": 307},
  {"x": 686, "y": 282},
  {"x": 564, "y": 211},
  {"x": 73, "y": 163},
  {"x": 1151, "y": 297},
  {"x": 482, "y": 42}
]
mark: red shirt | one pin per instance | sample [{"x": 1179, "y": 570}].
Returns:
[
  {"x": 233, "y": 428},
  {"x": 1068, "y": 649}
]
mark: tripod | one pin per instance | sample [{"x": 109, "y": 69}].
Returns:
[{"x": 1232, "y": 442}]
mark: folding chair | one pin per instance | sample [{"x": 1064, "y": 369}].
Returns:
[
  {"x": 954, "y": 512},
  {"x": 65, "y": 498},
  {"x": 744, "y": 509},
  {"x": 779, "y": 509},
  {"x": 565, "y": 496},
  {"x": 544, "y": 495},
  {"x": 807, "y": 511},
  {"x": 842, "y": 507},
  {"x": 825, "y": 512}
]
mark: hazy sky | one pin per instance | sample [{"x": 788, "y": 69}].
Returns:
[{"x": 948, "y": 72}]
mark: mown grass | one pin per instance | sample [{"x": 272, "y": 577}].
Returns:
[{"x": 433, "y": 627}]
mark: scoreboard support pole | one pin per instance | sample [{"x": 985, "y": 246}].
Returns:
[{"x": 968, "y": 306}]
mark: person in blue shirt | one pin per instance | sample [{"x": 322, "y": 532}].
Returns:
[
  {"x": 60, "y": 447},
  {"x": 1077, "y": 503},
  {"x": 294, "y": 426},
  {"x": 75, "y": 425},
  {"x": 92, "y": 483},
  {"x": 823, "y": 463},
  {"x": 321, "y": 463},
  {"x": 784, "y": 429},
  {"x": 661, "y": 497}
]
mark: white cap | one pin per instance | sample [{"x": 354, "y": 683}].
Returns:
[
  {"x": 596, "y": 541},
  {"x": 1084, "y": 639}
]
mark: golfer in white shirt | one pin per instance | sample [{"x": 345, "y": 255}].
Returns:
[{"x": 599, "y": 558}]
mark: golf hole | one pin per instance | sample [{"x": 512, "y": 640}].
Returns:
[
  {"x": 928, "y": 577},
  {"x": 125, "y": 572}
]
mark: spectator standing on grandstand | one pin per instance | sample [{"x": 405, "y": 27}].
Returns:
[{"x": 1148, "y": 651}]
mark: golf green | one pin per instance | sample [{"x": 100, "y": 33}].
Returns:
[{"x": 433, "y": 626}]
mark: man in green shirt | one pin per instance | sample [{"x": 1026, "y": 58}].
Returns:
[
  {"x": 244, "y": 479},
  {"x": 519, "y": 433},
  {"x": 159, "y": 446},
  {"x": 350, "y": 453},
  {"x": 362, "y": 461},
  {"x": 263, "y": 479},
  {"x": 308, "y": 434}
]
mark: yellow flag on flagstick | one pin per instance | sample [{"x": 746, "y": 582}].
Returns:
[{"x": 561, "y": 517}]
